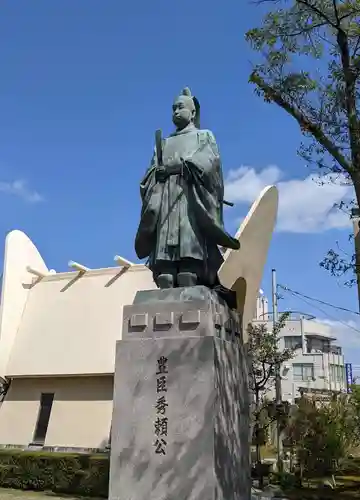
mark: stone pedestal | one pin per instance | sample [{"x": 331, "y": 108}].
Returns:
[{"x": 180, "y": 428}]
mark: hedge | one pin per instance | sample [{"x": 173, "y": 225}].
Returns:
[{"x": 77, "y": 474}]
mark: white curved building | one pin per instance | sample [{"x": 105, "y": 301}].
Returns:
[{"x": 58, "y": 333}]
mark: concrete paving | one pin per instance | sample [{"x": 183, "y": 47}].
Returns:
[{"x": 8, "y": 494}]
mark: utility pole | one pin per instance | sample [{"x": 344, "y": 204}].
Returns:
[
  {"x": 278, "y": 392},
  {"x": 355, "y": 217}
]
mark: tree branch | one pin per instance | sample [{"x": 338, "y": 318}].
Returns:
[
  {"x": 357, "y": 45},
  {"x": 262, "y": 383},
  {"x": 307, "y": 30},
  {"x": 336, "y": 12},
  {"x": 304, "y": 122},
  {"x": 268, "y": 376},
  {"x": 319, "y": 12},
  {"x": 259, "y": 383},
  {"x": 350, "y": 96}
]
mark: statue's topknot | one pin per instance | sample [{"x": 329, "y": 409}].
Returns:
[{"x": 187, "y": 92}]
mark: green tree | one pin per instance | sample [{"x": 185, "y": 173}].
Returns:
[
  {"x": 265, "y": 355},
  {"x": 323, "y": 434},
  {"x": 310, "y": 67},
  {"x": 355, "y": 402}
]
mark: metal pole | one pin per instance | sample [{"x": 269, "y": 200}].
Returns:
[
  {"x": 278, "y": 394},
  {"x": 274, "y": 296},
  {"x": 303, "y": 341},
  {"x": 355, "y": 216}
]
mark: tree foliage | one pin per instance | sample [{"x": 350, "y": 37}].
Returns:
[
  {"x": 355, "y": 402},
  {"x": 310, "y": 67},
  {"x": 323, "y": 434},
  {"x": 265, "y": 356}
]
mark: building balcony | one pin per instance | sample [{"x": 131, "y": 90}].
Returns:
[
  {"x": 300, "y": 323},
  {"x": 294, "y": 316}
]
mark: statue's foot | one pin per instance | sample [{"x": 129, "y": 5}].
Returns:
[
  {"x": 187, "y": 279},
  {"x": 165, "y": 281}
]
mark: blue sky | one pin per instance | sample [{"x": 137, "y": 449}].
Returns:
[{"x": 84, "y": 84}]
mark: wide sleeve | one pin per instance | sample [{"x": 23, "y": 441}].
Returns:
[
  {"x": 148, "y": 181},
  {"x": 151, "y": 196},
  {"x": 204, "y": 165},
  {"x": 206, "y": 189}
]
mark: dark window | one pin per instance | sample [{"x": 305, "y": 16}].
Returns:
[
  {"x": 42, "y": 423},
  {"x": 293, "y": 342},
  {"x": 303, "y": 371}
]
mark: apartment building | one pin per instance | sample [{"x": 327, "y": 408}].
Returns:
[{"x": 318, "y": 364}]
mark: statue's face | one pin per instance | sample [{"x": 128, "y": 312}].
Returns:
[{"x": 183, "y": 111}]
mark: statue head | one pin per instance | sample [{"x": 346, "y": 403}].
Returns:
[{"x": 186, "y": 110}]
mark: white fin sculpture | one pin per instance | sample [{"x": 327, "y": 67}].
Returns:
[
  {"x": 243, "y": 269},
  {"x": 20, "y": 258}
]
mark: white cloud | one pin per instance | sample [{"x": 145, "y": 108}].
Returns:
[
  {"x": 21, "y": 189},
  {"x": 305, "y": 205},
  {"x": 347, "y": 332}
]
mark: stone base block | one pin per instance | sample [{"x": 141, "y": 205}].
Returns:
[{"x": 180, "y": 427}]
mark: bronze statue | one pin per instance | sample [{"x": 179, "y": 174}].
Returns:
[{"x": 181, "y": 226}]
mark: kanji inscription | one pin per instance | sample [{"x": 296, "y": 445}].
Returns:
[{"x": 161, "y": 421}]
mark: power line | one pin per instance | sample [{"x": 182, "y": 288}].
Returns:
[
  {"x": 287, "y": 289},
  {"x": 334, "y": 318}
]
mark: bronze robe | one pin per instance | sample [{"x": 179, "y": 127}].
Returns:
[{"x": 183, "y": 216}]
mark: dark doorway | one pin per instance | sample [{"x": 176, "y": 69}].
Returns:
[{"x": 42, "y": 423}]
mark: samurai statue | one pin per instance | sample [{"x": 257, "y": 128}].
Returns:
[{"x": 181, "y": 227}]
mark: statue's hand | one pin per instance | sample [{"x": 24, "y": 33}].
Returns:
[
  {"x": 161, "y": 174},
  {"x": 174, "y": 166}
]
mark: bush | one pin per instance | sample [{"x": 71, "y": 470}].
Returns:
[
  {"x": 350, "y": 467},
  {"x": 285, "y": 480},
  {"x": 85, "y": 475},
  {"x": 323, "y": 434},
  {"x": 261, "y": 470}
]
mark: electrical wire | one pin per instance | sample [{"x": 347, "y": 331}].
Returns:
[
  {"x": 321, "y": 310},
  {"x": 287, "y": 289}
]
